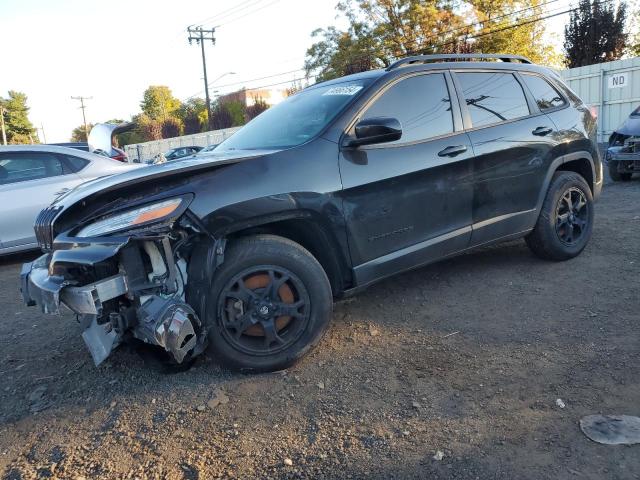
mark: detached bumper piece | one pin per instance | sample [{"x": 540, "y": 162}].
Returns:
[{"x": 120, "y": 306}]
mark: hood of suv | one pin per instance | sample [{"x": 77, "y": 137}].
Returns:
[
  {"x": 156, "y": 172},
  {"x": 631, "y": 126}
]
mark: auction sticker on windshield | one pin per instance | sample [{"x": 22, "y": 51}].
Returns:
[{"x": 346, "y": 90}]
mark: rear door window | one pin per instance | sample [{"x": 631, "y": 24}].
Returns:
[
  {"x": 492, "y": 97},
  {"x": 546, "y": 96},
  {"x": 24, "y": 166},
  {"x": 422, "y": 105}
]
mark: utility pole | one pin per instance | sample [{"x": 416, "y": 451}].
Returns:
[
  {"x": 200, "y": 35},
  {"x": 84, "y": 118},
  {"x": 44, "y": 137},
  {"x": 4, "y": 134}
]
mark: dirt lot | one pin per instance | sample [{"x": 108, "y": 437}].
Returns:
[{"x": 466, "y": 357}]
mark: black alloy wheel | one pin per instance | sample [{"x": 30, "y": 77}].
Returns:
[
  {"x": 264, "y": 310},
  {"x": 269, "y": 304},
  {"x": 572, "y": 216},
  {"x": 565, "y": 222}
]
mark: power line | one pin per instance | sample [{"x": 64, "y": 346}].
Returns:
[
  {"x": 250, "y": 80},
  {"x": 262, "y": 78},
  {"x": 271, "y": 85},
  {"x": 490, "y": 20},
  {"x": 444, "y": 33},
  {"x": 482, "y": 23},
  {"x": 229, "y": 11},
  {"x": 248, "y": 13},
  {"x": 479, "y": 35},
  {"x": 84, "y": 118},
  {"x": 520, "y": 24}
]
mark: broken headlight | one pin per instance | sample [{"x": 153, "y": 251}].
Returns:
[{"x": 136, "y": 217}]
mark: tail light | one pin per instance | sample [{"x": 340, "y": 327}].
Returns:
[
  {"x": 119, "y": 155},
  {"x": 594, "y": 111}
]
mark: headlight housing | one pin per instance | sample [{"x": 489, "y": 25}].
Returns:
[{"x": 136, "y": 217}]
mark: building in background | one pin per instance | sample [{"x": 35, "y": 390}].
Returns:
[{"x": 249, "y": 96}]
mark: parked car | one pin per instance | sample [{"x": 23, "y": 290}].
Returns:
[
  {"x": 339, "y": 186},
  {"x": 115, "y": 152},
  {"x": 176, "y": 153},
  {"x": 208, "y": 148},
  {"x": 623, "y": 154},
  {"x": 31, "y": 177}
]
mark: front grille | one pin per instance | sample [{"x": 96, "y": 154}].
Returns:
[{"x": 44, "y": 227}]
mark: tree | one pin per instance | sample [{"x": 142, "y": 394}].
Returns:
[
  {"x": 252, "y": 111},
  {"x": 595, "y": 33},
  {"x": 170, "y": 127},
  {"x": 236, "y": 109},
  {"x": 148, "y": 128},
  {"x": 383, "y": 30},
  {"x": 193, "y": 114},
  {"x": 633, "y": 41},
  {"x": 78, "y": 134},
  {"x": 221, "y": 117},
  {"x": 497, "y": 34},
  {"x": 18, "y": 127},
  {"x": 159, "y": 103}
]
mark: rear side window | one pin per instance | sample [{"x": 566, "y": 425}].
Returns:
[
  {"x": 22, "y": 166},
  {"x": 545, "y": 95},
  {"x": 421, "y": 104},
  {"x": 492, "y": 97},
  {"x": 75, "y": 164}
]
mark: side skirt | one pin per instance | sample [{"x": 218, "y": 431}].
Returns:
[{"x": 427, "y": 252}]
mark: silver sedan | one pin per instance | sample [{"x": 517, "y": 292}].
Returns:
[{"x": 32, "y": 176}]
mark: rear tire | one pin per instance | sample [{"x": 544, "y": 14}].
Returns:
[
  {"x": 617, "y": 176},
  {"x": 565, "y": 222},
  {"x": 270, "y": 304}
]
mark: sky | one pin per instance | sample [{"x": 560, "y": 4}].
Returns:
[{"x": 112, "y": 51}]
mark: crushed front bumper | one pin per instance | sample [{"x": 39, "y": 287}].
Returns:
[
  {"x": 133, "y": 302},
  {"x": 49, "y": 291},
  {"x": 625, "y": 158}
]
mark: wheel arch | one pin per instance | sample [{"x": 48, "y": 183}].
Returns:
[
  {"x": 580, "y": 162},
  {"x": 581, "y": 165},
  {"x": 307, "y": 229}
]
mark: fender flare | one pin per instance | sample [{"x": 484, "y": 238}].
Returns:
[{"x": 553, "y": 168}]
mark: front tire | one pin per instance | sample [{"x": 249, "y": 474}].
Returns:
[
  {"x": 270, "y": 304},
  {"x": 565, "y": 222},
  {"x": 617, "y": 176}
]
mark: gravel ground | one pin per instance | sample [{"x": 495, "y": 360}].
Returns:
[{"x": 449, "y": 371}]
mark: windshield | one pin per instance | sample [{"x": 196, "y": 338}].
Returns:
[{"x": 297, "y": 119}]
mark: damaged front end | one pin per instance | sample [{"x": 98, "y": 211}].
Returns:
[
  {"x": 126, "y": 274},
  {"x": 623, "y": 154}
]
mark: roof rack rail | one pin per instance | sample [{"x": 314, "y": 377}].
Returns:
[{"x": 457, "y": 57}]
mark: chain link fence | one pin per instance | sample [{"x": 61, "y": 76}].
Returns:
[{"x": 142, "y": 152}]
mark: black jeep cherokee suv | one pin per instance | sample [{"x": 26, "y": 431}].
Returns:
[{"x": 340, "y": 185}]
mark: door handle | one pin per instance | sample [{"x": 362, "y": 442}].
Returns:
[
  {"x": 452, "y": 151},
  {"x": 542, "y": 131}
]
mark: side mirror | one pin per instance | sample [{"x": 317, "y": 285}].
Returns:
[{"x": 376, "y": 130}]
